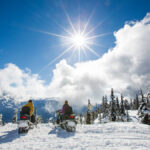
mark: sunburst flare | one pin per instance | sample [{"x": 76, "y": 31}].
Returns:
[{"x": 76, "y": 40}]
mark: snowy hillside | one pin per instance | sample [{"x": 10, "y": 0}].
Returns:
[{"x": 109, "y": 136}]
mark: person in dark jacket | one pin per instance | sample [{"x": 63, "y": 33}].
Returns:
[{"x": 66, "y": 109}]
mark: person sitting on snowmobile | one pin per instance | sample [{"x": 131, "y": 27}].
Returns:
[
  {"x": 66, "y": 109},
  {"x": 66, "y": 118},
  {"x": 64, "y": 113},
  {"x": 30, "y": 105}
]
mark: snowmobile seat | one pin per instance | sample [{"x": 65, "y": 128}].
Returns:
[{"x": 68, "y": 117}]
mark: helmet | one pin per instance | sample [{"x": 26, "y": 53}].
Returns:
[
  {"x": 66, "y": 101},
  {"x": 30, "y": 101}
]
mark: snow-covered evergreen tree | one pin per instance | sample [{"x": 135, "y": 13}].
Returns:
[
  {"x": 126, "y": 105},
  {"x": 136, "y": 102},
  {"x": 142, "y": 96},
  {"x": 14, "y": 120},
  {"x": 122, "y": 109},
  {"x": 117, "y": 108},
  {"x": 112, "y": 107},
  {"x": 131, "y": 104},
  {"x": 1, "y": 122},
  {"x": 88, "y": 113}
]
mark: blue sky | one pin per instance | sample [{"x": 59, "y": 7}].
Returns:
[{"x": 21, "y": 44}]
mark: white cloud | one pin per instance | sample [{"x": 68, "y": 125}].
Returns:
[
  {"x": 124, "y": 67},
  {"x": 19, "y": 84}
]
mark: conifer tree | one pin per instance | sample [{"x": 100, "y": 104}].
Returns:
[
  {"x": 88, "y": 113},
  {"x": 96, "y": 112},
  {"x": 127, "y": 116},
  {"x": 122, "y": 106},
  {"x": 117, "y": 103},
  {"x": 112, "y": 108},
  {"x": 147, "y": 101},
  {"x": 1, "y": 122},
  {"x": 103, "y": 104},
  {"x": 136, "y": 102},
  {"x": 148, "y": 96},
  {"x": 81, "y": 119},
  {"x": 131, "y": 104},
  {"x": 106, "y": 99},
  {"x": 14, "y": 120},
  {"x": 142, "y": 96}
]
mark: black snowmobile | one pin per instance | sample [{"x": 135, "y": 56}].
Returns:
[
  {"x": 25, "y": 121},
  {"x": 66, "y": 122}
]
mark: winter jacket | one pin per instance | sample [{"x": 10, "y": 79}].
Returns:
[
  {"x": 66, "y": 109},
  {"x": 31, "y": 106},
  {"x": 63, "y": 109}
]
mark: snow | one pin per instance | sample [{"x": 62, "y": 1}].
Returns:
[
  {"x": 133, "y": 115},
  {"x": 108, "y": 136}
]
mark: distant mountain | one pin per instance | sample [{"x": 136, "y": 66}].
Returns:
[
  {"x": 46, "y": 108},
  {"x": 7, "y": 109}
]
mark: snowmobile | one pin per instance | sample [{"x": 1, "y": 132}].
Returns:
[
  {"x": 66, "y": 122},
  {"x": 144, "y": 114},
  {"x": 25, "y": 123}
]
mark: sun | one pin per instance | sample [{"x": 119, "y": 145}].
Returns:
[{"x": 79, "y": 40}]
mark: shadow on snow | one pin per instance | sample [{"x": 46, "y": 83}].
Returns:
[
  {"x": 10, "y": 136},
  {"x": 61, "y": 133}
]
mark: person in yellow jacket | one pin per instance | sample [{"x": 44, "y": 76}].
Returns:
[{"x": 31, "y": 106}]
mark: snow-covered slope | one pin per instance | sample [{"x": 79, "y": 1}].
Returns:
[{"x": 109, "y": 136}]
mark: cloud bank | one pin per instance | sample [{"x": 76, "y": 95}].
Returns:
[{"x": 124, "y": 67}]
